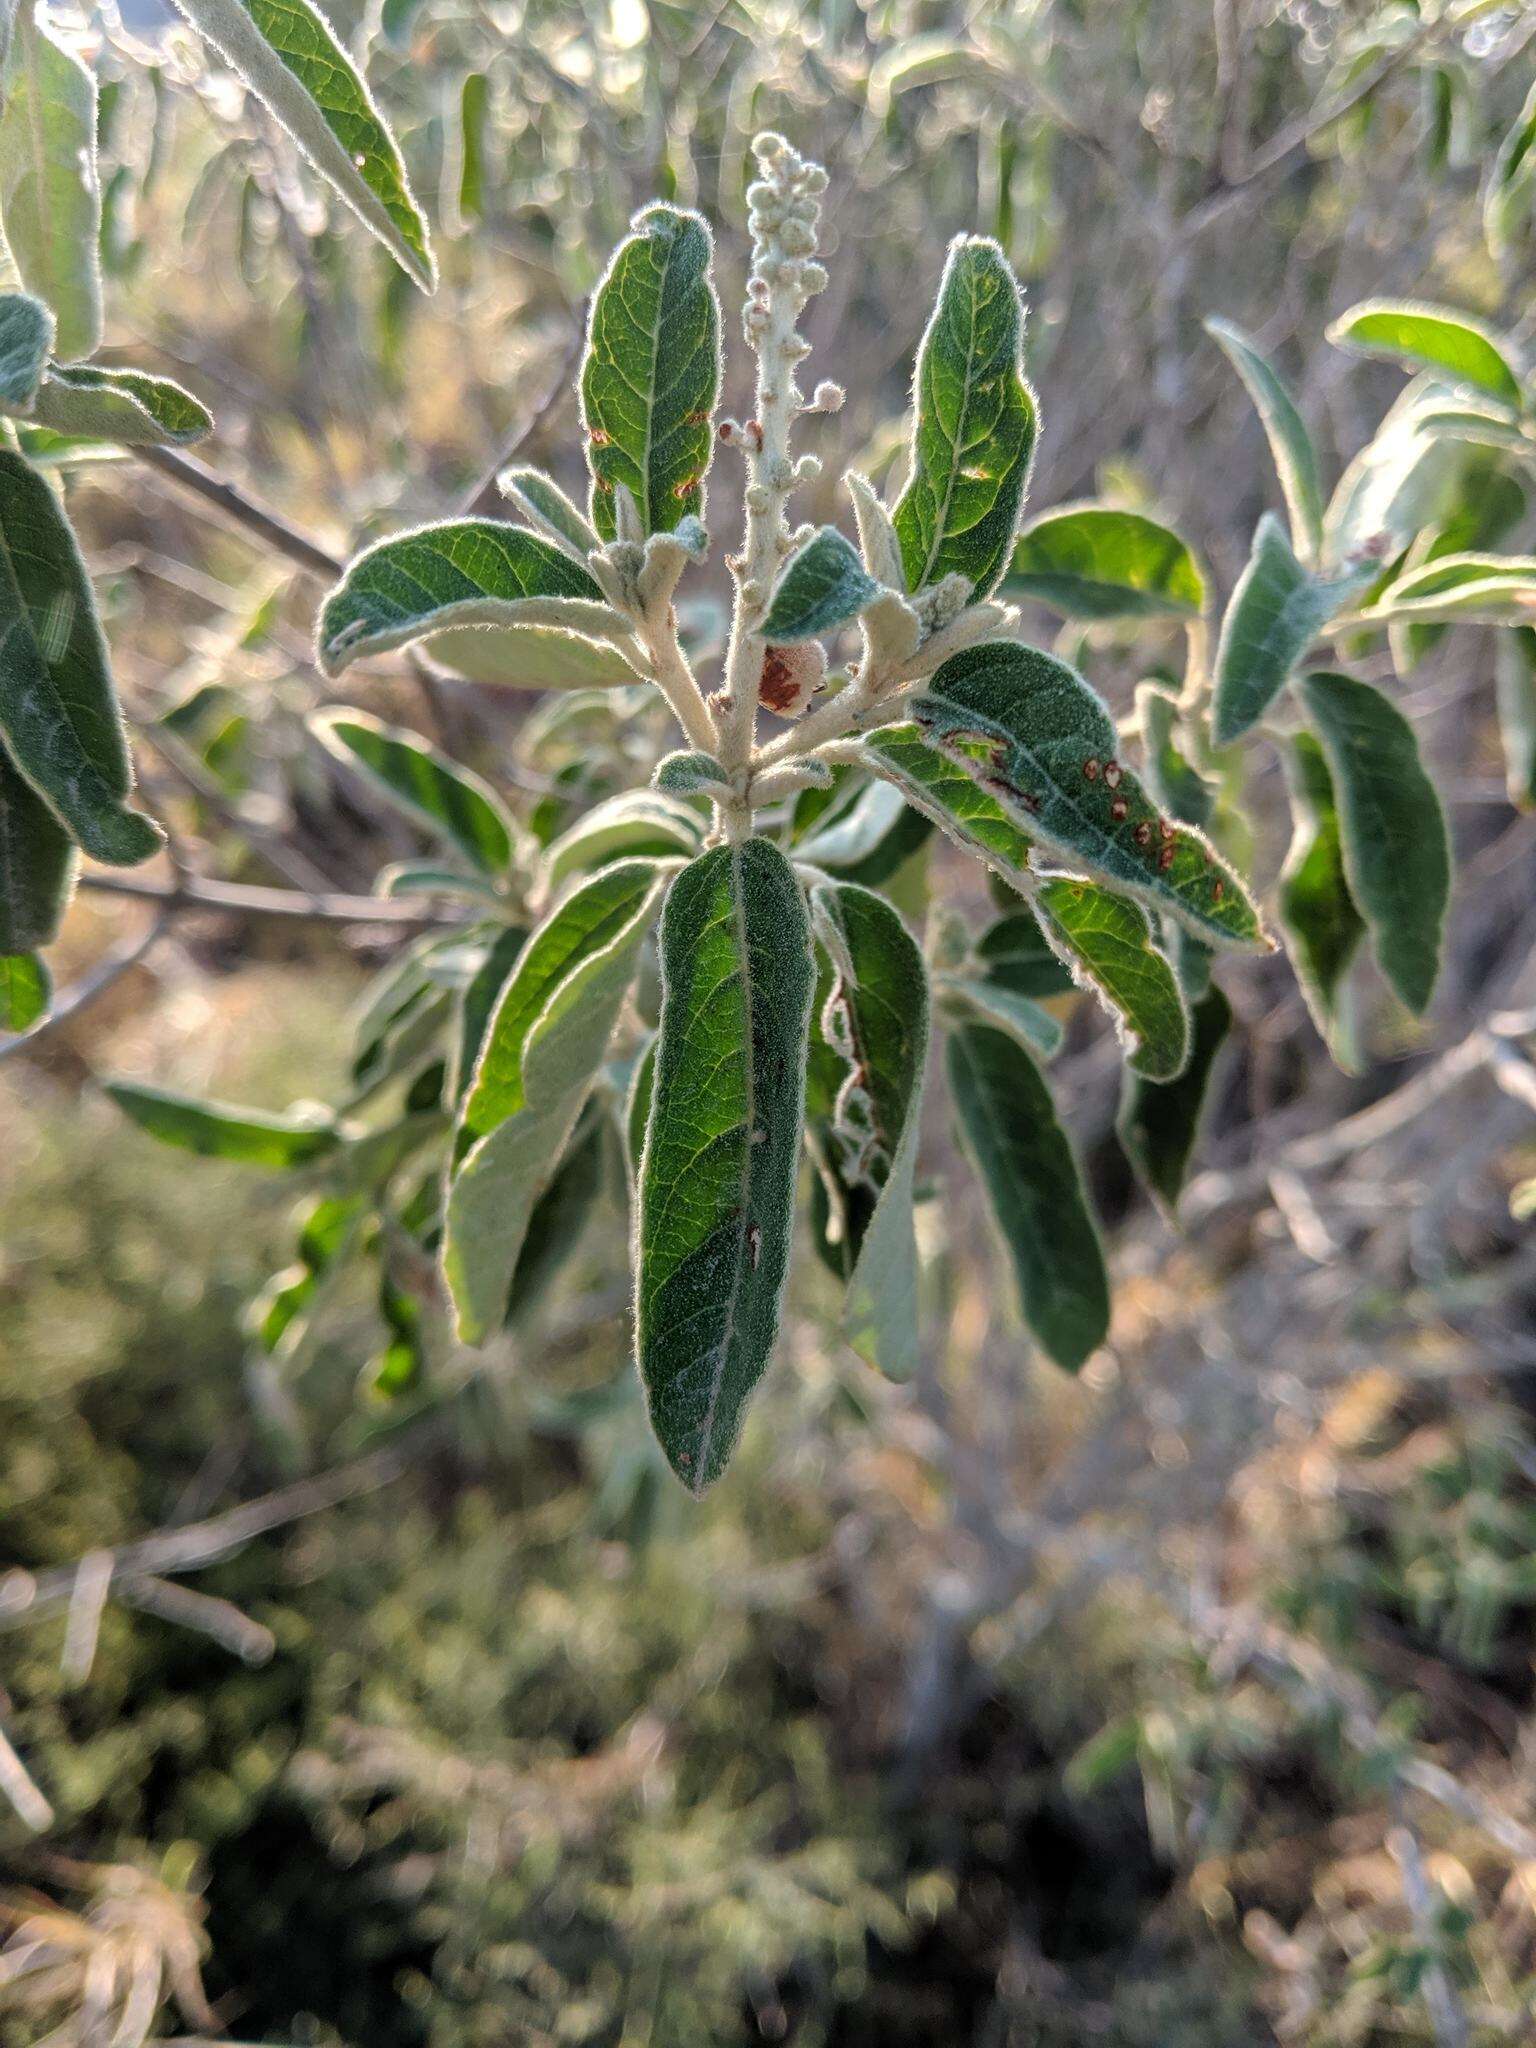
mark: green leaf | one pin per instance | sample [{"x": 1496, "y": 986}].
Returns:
[
  {"x": 477, "y": 1004},
  {"x": 946, "y": 794},
  {"x": 637, "y": 821},
  {"x": 1289, "y": 442},
  {"x": 1493, "y": 502},
  {"x": 1515, "y": 675},
  {"x": 869, "y": 840},
  {"x": 822, "y": 587},
  {"x": 1468, "y": 589},
  {"x": 464, "y": 572},
  {"x": 876, "y": 1020},
  {"x": 531, "y": 658},
  {"x": 1030, "y": 730},
  {"x": 1098, "y": 562},
  {"x": 652, "y": 372},
  {"x": 37, "y": 865},
  {"x": 217, "y": 1130},
  {"x": 973, "y": 433},
  {"x": 1160, "y": 1120},
  {"x": 1396, "y": 852},
  {"x": 26, "y": 991},
  {"x": 1008, "y": 1122},
  {"x": 428, "y": 878},
  {"x": 559, "y": 1216},
  {"x": 26, "y": 342},
  {"x": 447, "y": 799},
  {"x": 689, "y": 774},
  {"x": 1276, "y": 612},
  {"x": 1322, "y": 926},
  {"x": 126, "y": 406},
  {"x": 1021, "y": 1016},
  {"x": 545, "y": 506},
  {"x": 1453, "y": 345},
  {"x": 717, "y": 1180},
  {"x": 1408, "y": 476},
  {"x": 1016, "y": 954},
  {"x": 1109, "y": 941},
  {"x": 1172, "y": 777},
  {"x": 546, "y": 1043},
  {"x": 50, "y": 195},
  {"x": 637, "y": 1107},
  {"x": 285, "y": 51},
  {"x": 1511, "y": 187},
  {"x": 59, "y": 716}
]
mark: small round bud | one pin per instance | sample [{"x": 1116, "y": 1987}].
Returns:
[
  {"x": 813, "y": 278},
  {"x": 828, "y": 397}
]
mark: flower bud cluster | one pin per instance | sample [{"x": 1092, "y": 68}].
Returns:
[{"x": 785, "y": 203}]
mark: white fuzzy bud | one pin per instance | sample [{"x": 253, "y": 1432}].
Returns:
[{"x": 827, "y": 397}]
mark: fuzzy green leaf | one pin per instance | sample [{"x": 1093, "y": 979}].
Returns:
[
  {"x": 868, "y": 841},
  {"x": 1396, "y": 851},
  {"x": 1408, "y": 476},
  {"x": 1098, "y": 562},
  {"x": 59, "y": 716},
  {"x": 464, "y": 572},
  {"x": 50, "y": 195},
  {"x": 1322, "y": 926},
  {"x": 822, "y": 587},
  {"x": 285, "y": 51},
  {"x": 946, "y": 794},
  {"x": 1289, "y": 442},
  {"x": 447, "y": 799},
  {"x": 531, "y": 658},
  {"x": 37, "y": 865},
  {"x": 651, "y": 378},
  {"x": 1515, "y": 675},
  {"x": 26, "y": 991},
  {"x": 1276, "y": 611},
  {"x": 219, "y": 1130},
  {"x": 637, "y": 821},
  {"x": 26, "y": 342},
  {"x": 973, "y": 434},
  {"x": 126, "y": 406},
  {"x": 545, "y": 506},
  {"x": 1452, "y": 345},
  {"x": 1511, "y": 187},
  {"x": 559, "y": 1216},
  {"x": 876, "y": 1020},
  {"x": 1015, "y": 953},
  {"x": 477, "y": 1005},
  {"x": 1008, "y": 1122},
  {"x": 1467, "y": 589},
  {"x": 1172, "y": 777},
  {"x": 689, "y": 773},
  {"x": 1108, "y": 941},
  {"x": 1160, "y": 1120},
  {"x": 717, "y": 1181},
  {"x": 990, "y": 1002},
  {"x": 1038, "y": 740}
]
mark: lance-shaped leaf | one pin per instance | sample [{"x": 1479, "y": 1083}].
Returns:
[
  {"x": 637, "y": 821},
  {"x": 1037, "y": 738},
  {"x": 1510, "y": 191},
  {"x": 822, "y": 587},
  {"x": 1515, "y": 676},
  {"x": 946, "y": 794},
  {"x": 126, "y": 406},
  {"x": 477, "y": 1005},
  {"x": 26, "y": 991},
  {"x": 464, "y": 572},
  {"x": 868, "y": 841},
  {"x": 219, "y": 1130},
  {"x": 1396, "y": 851},
  {"x": 973, "y": 433},
  {"x": 717, "y": 1180},
  {"x": 1467, "y": 589},
  {"x": 1099, "y": 562},
  {"x": 1407, "y": 476},
  {"x": 26, "y": 342},
  {"x": 59, "y": 716},
  {"x": 968, "y": 999},
  {"x": 1322, "y": 926},
  {"x": 689, "y": 773},
  {"x": 545, "y": 506},
  {"x": 1172, "y": 777},
  {"x": 1107, "y": 941},
  {"x": 1453, "y": 345},
  {"x": 560, "y": 1215},
  {"x": 1276, "y": 611},
  {"x": 540, "y": 1058},
  {"x": 1160, "y": 1120},
  {"x": 448, "y": 800},
  {"x": 1290, "y": 444},
  {"x": 531, "y": 658},
  {"x": 876, "y": 1020},
  {"x": 286, "y": 52},
  {"x": 50, "y": 195},
  {"x": 1025, "y": 1160},
  {"x": 37, "y": 865},
  {"x": 652, "y": 373}
]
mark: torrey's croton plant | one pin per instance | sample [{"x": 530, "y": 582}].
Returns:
[{"x": 719, "y": 962}]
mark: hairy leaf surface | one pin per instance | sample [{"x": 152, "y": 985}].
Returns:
[
  {"x": 50, "y": 195},
  {"x": 450, "y": 801},
  {"x": 37, "y": 865},
  {"x": 126, "y": 406},
  {"x": 869, "y": 840},
  {"x": 544, "y": 505},
  {"x": 636, "y": 821},
  {"x": 822, "y": 587},
  {"x": 1276, "y": 611},
  {"x": 1160, "y": 1120},
  {"x": 26, "y": 342},
  {"x": 1099, "y": 562},
  {"x": 531, "y": 658},
  {"x": 990, "y": 1001},
  {"x": 1322, "y": 926},
  {"x": 1452, "y": 345},
  {"x": 220, "y": 1130},
  {"x": 1109, "y": 941},
  {"x": 945, "y": 793},
  {"x": 1289, "y": 442},
  {"x": 1015, "y": 952},
  {"x": 1465, "y": 589}
]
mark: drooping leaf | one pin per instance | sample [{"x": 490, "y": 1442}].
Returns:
[
  {"x": 1468, "y": 589},
  {"x": 1322, "y": 926},
  {"x": 219, "y": 1130},
  {"x": 59, "y": 717},
  {"x": 869, "y": 840},
  {"x": 531, "y": 658},
  {"x": 545, "y": 506},
  {"x": 1099, "y": 562},
  {"x": 822, "y": 587},
  {"x": 286, "y": 52},
  {"x": 1289, "y": 442},
  {"x": 1160, "y": 1120},
  {"x": 652, "y": 372},
  {"x": 50, "y": 195},
  {"x": 1395, "y": 846},
  {"x": 1515, "y": 675},
  {"x": 973, "y": 434},
  {"x": 876, "y": 1020},
  {"x": 1109, "y": 942},
  {"x": 26, "y": 342},
  {"x": 26, "y": 990},
  {"x": 518, "y": 1120},
  {"x": 448, "y": 800},
  {"x": 1009, "y": 1125},
  {"x": 1452, "y": 345},
  {"x": 464, "y": 572},
  {"x": 37, "y": 865},
  {"x": 637, "y": 821},
  {"x": 1277, "y": 610},
  {"x": 1037, "y": 738},
  {"x": 126, "y": 406},
  {"x": 717, "y": 1180}
]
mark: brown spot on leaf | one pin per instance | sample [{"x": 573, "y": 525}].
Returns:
[
  {"x": 1112, "y": 773},
  {"x": 1091, "y": 768},
  {"x": 1119, "y": 808}
]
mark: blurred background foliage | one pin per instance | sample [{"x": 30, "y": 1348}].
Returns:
[{"x": 1190, "y": 1704}]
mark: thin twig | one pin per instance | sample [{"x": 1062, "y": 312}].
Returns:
[
  {"x": 243, "y": 899},
  {"x": 244, "y": 511}
]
